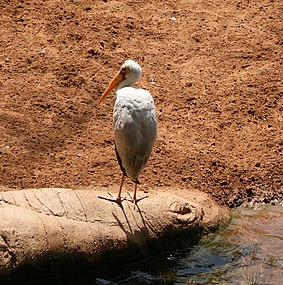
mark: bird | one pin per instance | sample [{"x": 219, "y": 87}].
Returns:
[{"x": 135, "y": 126}]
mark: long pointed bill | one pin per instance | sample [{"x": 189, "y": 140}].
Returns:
[{"x": 115, "y": 81}]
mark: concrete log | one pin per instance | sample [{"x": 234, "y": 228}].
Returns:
[{"x": 51, "y": 230}]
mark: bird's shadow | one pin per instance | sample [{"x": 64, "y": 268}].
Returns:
[{"x": 133, "y": 235}]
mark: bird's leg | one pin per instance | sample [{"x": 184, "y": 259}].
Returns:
[
  {"x": 119, "y": 199},
  {"x": 134, "y": 198}
]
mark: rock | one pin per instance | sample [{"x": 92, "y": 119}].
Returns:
[{"x": 50, "y": 231}]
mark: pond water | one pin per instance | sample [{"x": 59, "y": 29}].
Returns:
[{"x": 247, "y": 251}]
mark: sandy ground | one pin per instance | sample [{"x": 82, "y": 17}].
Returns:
[{"x": 214, "y": 69}]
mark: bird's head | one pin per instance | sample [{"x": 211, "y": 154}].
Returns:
[{"x": 128, "y": 74}]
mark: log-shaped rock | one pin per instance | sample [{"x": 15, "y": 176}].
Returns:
[{"x": 51, "y": 230}]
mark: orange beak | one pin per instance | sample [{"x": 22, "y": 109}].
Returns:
[{"x": 114, "y": 83}]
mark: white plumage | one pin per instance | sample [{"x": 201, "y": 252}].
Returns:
[
  {"x": 135, "y": 124},
  {"x": 134, "y": 129}
]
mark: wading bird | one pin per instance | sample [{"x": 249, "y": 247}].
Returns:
[{"x": 135, "y": 125}]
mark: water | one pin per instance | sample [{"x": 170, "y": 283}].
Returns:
[{"x": 247, "y": 251}]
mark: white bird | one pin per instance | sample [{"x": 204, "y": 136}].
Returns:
[{"x": 135, "y": 125}]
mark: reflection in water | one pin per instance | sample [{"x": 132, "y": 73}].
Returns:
[{"x": 248, "y": 251}]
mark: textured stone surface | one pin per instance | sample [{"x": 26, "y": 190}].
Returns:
[{"x": 42, "y": 227}]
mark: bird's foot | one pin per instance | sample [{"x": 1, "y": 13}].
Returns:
[
  {"x": 117, "y": 200},
  {"x": 134, "y": 199}
]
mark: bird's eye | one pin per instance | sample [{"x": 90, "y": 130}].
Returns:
[{"x": 123, "y": 71}]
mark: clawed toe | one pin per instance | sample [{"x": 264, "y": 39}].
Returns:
[
  {"x": 117, "y": 200},
  {"x": 134, "y": 200}
]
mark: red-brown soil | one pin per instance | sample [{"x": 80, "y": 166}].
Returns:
[{"x": 214, "y": 69}]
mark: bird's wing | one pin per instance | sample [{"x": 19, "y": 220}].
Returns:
[{"x": 135, "y": 128}]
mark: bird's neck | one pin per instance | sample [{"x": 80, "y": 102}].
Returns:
[
  {"x": 130, "y": 80},
  {"x": 124, "y": 83}
]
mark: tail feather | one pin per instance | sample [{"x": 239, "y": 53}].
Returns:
[
  {"x": 121, "y": 165},
  {"x": 120, "y": 161}
]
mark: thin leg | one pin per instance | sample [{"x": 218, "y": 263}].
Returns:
[
  {"x": 120, "y": 189},
  {"x": 134, "y": 198},
  {"x": 119, "y": 199},
  {"x": 135, "y": 193}
]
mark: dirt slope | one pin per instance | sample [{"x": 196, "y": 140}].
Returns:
[{"x": 214, "y": 69}]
